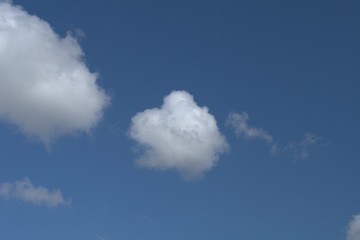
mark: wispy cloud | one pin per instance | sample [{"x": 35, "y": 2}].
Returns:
[
  {"x": 353, "y": 232},
  {"x": 179, "y": 135},
  {"x": 99, "y": 237},
  {"x": 46, "y": 90},
  {"x": 298, "y": 150},
  {"x": 239, "y": 122},
  {"x": 24, "y": 190}
]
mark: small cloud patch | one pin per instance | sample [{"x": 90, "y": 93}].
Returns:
[
  {"x": 179, "y": 135},
  {"x": 26, "y": 191}
]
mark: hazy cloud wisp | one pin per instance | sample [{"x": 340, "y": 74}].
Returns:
[
  {"x": 353, "y": 232},
  {"x": 24, "y": 190},
  {"x": 178, "y": 135},
  {"x": 301, "y": 149},
  {"x": 46, "y": 90},
  {"x": 298, "y": 150},
  {"x": 239, "y": 122}
]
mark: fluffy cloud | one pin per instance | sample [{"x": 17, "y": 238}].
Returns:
[
  {"x": 239, "y": 122},
  {"x": 46, "y": 90},
  {"x": 354, "y": 229},
  {"x": 178, "y": 135},
  {"x": 24, "y": 190}
]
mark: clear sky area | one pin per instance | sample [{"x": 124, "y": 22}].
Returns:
[{"x": 174, "y": 120}]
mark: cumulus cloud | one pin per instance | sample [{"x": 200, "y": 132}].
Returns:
[
  {"x": 239, "y": 122},
  {"x": 353, "y": 232},
  {"x": 24, "y": 190},
  {"x": 179, "y": 135},
  {"x": 46, "y": 90}
]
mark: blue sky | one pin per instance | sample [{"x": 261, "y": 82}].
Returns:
[{"x": 105, "y": 134}]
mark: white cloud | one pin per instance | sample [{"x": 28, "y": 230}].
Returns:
[
  {"x": 25, "y": 190},
  {"x": 46, "y": 90},
  {"x": 239, "y": 122},
  {"x": 178, "y": 135},
  {"x": 353, "y": 232}
]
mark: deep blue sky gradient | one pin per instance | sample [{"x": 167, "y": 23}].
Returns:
[{"x": 294, "y": 67}]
